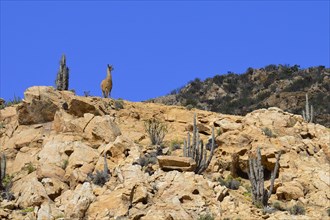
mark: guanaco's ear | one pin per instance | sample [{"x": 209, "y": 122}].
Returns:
[{"x": 108, "y": 65}]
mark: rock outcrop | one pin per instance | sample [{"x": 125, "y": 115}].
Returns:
[{"x": 54, "y": 140}]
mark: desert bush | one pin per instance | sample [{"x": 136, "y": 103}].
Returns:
[
  {"x": 206, "y": 216},
  {"x": 230, "y": 182},
  {"x": 328, "y": 212},
  {"x": 65, "y": 163},
  {"x": 175, "y": 144},
  {"x": 100, "y": 177},
  {"x": 297, "y": 210},
  {"x": 87, "y": 93},
  {"x": 156, "y": 130},
  {"x": 146, "y": 160},
  {"x": 278, "y": 206},
  {"x": 30, "y": 167},
  {"x": 119, "y": 104},
  {"x": 268, "y": 132}
]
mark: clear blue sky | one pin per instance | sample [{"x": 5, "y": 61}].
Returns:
[{"x": 154, "y": 47}]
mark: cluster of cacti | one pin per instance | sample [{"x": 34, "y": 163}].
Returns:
[
  {"x": 308, "y": 113},
  {"x": 196, "y": 149},
  {"x": 62, "y": 79},
  {"x": 260, "y": 195}
]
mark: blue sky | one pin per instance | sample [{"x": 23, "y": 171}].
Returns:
[{"x": 155, "y": 47}]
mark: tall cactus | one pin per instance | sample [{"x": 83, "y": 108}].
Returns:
[
  {"x": 62, "y": 79},
  {"x": 196, "y": 150},
  {"x": 2, "y": 170},
  {"x": 308, "y": 113},
  {"x": 260, "y": 196}
]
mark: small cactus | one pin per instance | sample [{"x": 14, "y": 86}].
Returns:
[
  {"x": 197, "y": 151},
  {"x": 62, "y": 79},
  {"x": 308, "y": 113}
]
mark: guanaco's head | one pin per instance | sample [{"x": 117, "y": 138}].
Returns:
[{"x": 110, "y": 68}]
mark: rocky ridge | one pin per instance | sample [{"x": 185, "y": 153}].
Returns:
[
  {"x": 54, "y": 139},
  {"x": 281, "y": 86}
]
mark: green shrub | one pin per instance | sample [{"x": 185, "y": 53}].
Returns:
[
  {"x": 297, "y": 210},
  {"x": 65, "y": 164},
  {"x": 206, "y": 216},
  {"x": 30, "y": 168},
  {"x": 328, "y": 211},
  {"x": 230, "y": 182},
  {"x": 146, "y": 160},
  {"x": 175, "y": 144},
  {"x": 268, "y": 132}
]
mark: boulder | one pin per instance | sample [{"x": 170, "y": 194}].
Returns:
[
  {"x": 168, "y": 163},
  {"x": 75, "y": 203},
  {"x": 290, "y": 190},
  {"x": 102, "y": 129},
  {"x": 29, "y": 191},
  {"x": 111, "y": 205}
]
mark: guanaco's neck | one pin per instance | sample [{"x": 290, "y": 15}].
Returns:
[{"x": 109, "y": 74}]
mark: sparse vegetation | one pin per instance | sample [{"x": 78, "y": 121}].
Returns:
[
  {"x": 14, "y": 101},
  {"x": 156, "y": 130},
  {"x": 268, "y": 132},
  {"x": 196, "y": 149},
  {"x": 272, "y": 85},
  {"x": 30, "y": 167},
  {"x": 87, "y": 93},
  {"x": 175, "y": 144},
  {"x": 27, "y": 210},
  {"x": 119, "y": 104},
  {"x": 146, "y": 160},
  {"x": 230, "y": 182},
  {"x": 65, "y": 164},
  {"x": 277, "y": 205},
  {"x": 206, "y": 216},
  {"x": 5, "y": 180},
  {"x": 297, "y": 210},
  {"x": 328, "y": 212},
  {"x": 100, "y": 177}
]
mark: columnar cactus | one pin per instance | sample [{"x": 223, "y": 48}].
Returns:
[
  {"x": 308, "y": 114},
  {"x": 62, "y": 79},
  {"x": 197, "y": 151},
  {"x": 2, "y": 170},
  {"x": 260, "y": 195}
]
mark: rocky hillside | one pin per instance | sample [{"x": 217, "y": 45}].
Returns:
[
  {"x": 273, "y": 86},
  {"x": 54, "y": 143}
]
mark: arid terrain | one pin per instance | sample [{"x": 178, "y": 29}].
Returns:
[{"x": 54, "y": 143}]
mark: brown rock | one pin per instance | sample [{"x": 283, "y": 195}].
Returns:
[
  {"x": 102, "y": 129},
  {"x": 290, "y": 190},
  {"x": 110, "y": 205},
  {"x": 168, "y": 163}
]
